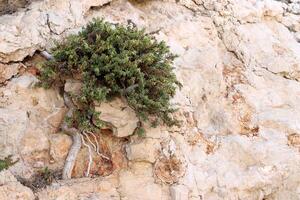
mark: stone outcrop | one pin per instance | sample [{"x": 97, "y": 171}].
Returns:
[
  {"x": 8, "y": 71},
  {"x": 10, "y": 188},
  {"x": 118, "y": 116},
  {"x": 84, "y": 188},
  {"x": 11, "y": 6},
  {"x": 239, "y": 64}
]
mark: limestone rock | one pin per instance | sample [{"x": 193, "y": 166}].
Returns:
[
  {"x": 138, "y": 183},
  {"x": 294, "y": 8},
  {"x": 294, "y": 140},
  {"x": 16, "y": 119},
  {"x": 277, "y": 54},
  {"x": 25, "y": 82},
  {"x": 239, "y": 64},
  {"x": 179, "y": 192},
  {"x": 59, "y": 147},
  {"x": 119, "y": 117},
  {"x": 169, "y": 170},
  {"x": 26, "y": 120},
  {"x": 143, "y": 150},
  {"x": 43, "y": 20},
  {"x": 10, "y": 6},
  {"x": 8, "y": 71},
  {"x": 10, "y": 188},
  {"x": 81, "y": 189},
  {"x": 110, "y": 146},
  {"x": 34, "y": 147},
  {"x": 73, "y": 87}
]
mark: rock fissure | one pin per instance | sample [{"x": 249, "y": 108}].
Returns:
[{"x": 281, "y": 74}]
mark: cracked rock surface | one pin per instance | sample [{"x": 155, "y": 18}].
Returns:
[{"x": 239, "y": 63}]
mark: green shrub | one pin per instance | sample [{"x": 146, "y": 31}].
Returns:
[
  {"x": 114, "y": 61},
  {"x": 6, "y": 163}
]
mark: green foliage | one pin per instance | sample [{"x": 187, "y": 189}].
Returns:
[
  {"x": 46, "y": 175},
  {"x": 6, "y": 163},
  {"x": 41, "y": 179},
  {"x": 115, "y": 61}
]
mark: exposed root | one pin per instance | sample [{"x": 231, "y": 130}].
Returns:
[
  {"x": 97, "y": 146},
  {"x": 46, "y": 55},
  {"x": 77, "y": 137},
  {"x": 72, "y": 155},
  {"x": 76, "y": 145},
  {"x": 90, "y": 156},
  {"x": 87, "y": 137}
]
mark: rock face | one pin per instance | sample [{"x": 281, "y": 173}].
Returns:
[
  {"x": 120, "y": 118},
  {"x": 143, "y": 150},
  {"x": 10, "y": 188},
  {"x": 8, "y": 71},
  {"x": 28, "y": 116},
  {"x": 239, "y": 64},
  {"x": 104, "y": 189},
  {"x": 10, "y": 6}
]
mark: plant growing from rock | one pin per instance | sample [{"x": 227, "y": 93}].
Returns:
[
  {"x": 7, "y": 162},
  {"x": 41, "y": 179},
  {"x": 110, "y": 61}
]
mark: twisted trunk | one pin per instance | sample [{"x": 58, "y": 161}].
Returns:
[
  {"x": 75, "y": 133},
  {"x": 76, "y": 145}
]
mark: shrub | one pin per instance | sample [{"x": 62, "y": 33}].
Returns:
[
  {"x": 6, "y": 162},
  {"x": 114, "y": 61}
]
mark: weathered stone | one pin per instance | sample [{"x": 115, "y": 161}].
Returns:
[
  {"x": 8, "y": 71},
  {"x": 26, "y": 120},
  {"x": 119, "y": 117},
  {"x": 83, "y": 188},
  {"x": 138, "y": 183},
  {"x": 11, "y": 6},
  {"x": 43, "y": 20},
  {"x": 277, "y": 54},
  {"x": 10, "y": 188},
  {"x": 59, "y": 147},
  {"x": 239, "y": 105},
  {"x": 294, "y": 140},
  {"x": 34, "y": 147},
  {"x": 10, "y": 137},
  {"x": 25, "y": 82},
  {"x": 297, "y": 36},
  {"x": 294, "y": 8},
  {"x": 169, "y": 170},
  {"x": 143, "y": 150},
  {"x": 109, "y": 146},
  {"x": 73, "y": 86},
  {"x": 292, "y": 22},
  {"x": 179, "y": 192}
]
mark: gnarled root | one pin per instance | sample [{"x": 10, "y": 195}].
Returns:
[
  {"x": 97, "y": 145},
  {"x": 46, "y": 55},
  {"x": 76, "y": 145},
  {"x": 78, "y": 140},
  {"x": 90, "y": 156},
  {"x": 72, "y": 155},
  {"x": 77, "y": 135}
]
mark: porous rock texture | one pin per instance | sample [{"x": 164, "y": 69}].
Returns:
[
  {"x": 239, "y": 63},
  {"x": 12, "y": 189}
]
